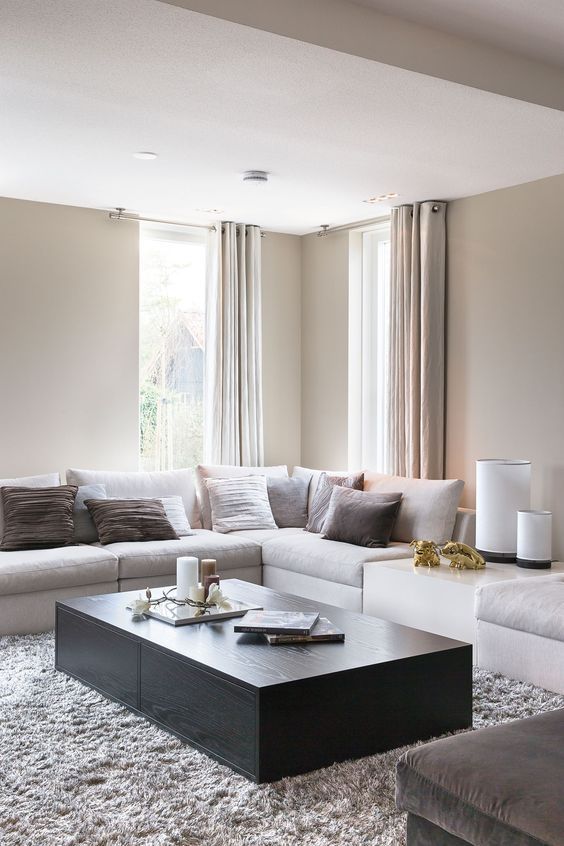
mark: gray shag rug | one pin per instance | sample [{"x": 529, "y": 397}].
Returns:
[{"x": 78, "y": 769}]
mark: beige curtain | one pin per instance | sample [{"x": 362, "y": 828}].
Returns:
[
  {"x": 417, "y": 341},
  {"x": 233, "y": 374}
]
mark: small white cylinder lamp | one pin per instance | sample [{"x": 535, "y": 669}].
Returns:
[
  {"x": 503, "y": 487},
  {"x": 186, "y": 576},
  {"x": 534, "y": 539}
]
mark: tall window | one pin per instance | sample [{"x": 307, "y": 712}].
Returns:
[
  {"x": 368, "y": 348},
  {"x": 172, "y": 340}
]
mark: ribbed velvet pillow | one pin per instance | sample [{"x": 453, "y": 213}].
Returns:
[
  {"x": 122, "y": 520},
  {"x": 365, "y": 519},
  {"x": 37, "y": 518},
  {"x": 320, "y": 504}
]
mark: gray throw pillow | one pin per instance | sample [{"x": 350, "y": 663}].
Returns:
[
  {"x": 322, "y": 498},
  {"x": 121, "y": 520},
  {"x": 360, "y": 517},
  {"x": 84, "y": 528},
  {"x": 288, "y": 500},
  {"x": 37, "y": 518}
]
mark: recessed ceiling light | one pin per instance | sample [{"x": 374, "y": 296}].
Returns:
[
  {"x": 145, "y": 155},
  {"x": 210, "y": 211},
  {"x": 259, "y": 177},
  {"x": 382, "y": 197}
]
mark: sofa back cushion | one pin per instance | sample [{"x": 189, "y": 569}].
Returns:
[
  {"x": 37, "y": 518},
  {"x": 228, "y": 471},
  {"x": 135, "y": 485},
  {"x": 46, "y": 480},
  {"x": 428, "y": 506}
]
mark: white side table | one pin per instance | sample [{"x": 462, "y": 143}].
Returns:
[{"x": 438, "y": 599}]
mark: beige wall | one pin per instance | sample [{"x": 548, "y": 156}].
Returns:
[
  {"x": 68, "y": 339},
  {"x": 505, "y": 344},
  {"x": 281, "y": 342},
  {"x": 325, "y": 279},
  {"x": 69, "y": 317}
]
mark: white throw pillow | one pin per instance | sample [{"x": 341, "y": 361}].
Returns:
[
  {"x": 47, "y": 480},
  {"x": 428, "y": 506},
  {"x": 240, "y": 503},
  {"x": 135, "y": 485},
  {"x": 228, "y": 471}
]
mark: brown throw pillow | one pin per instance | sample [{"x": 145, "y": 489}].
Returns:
[
  {"x": 120, "y": 520},
  {"x": 37, "y": 518},
  {"x": 361, "y": 517},
  {"x": 322, "y": 498}
]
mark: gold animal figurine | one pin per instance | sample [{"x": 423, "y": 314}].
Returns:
[
  {"x": 462, "y": 556},
  {"x": 425, "y": 554}
]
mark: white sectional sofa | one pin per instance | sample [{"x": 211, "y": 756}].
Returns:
[{"x": 287, "y": 559}]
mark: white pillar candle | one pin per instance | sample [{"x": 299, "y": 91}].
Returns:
[
  {"x": 502, "y": 488},
  {"x": 534, "y": 539},
  {"x": 186, "y": 576}
]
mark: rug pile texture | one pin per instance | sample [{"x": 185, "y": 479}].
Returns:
[{"x": 78, "y": 769}]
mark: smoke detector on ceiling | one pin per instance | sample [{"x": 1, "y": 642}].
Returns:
[{"x": 256, "y": 176}]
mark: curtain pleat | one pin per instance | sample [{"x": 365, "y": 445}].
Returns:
[
  {"x": 417, "y": 340},
  {"x": 233, "y": 374}
]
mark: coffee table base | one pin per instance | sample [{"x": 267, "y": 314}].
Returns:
[{"x": 281, "y": 730}]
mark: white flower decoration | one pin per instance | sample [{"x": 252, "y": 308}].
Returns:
[
  {"x": 139, "y": 606},
  {"x": 216, "y": 597}
]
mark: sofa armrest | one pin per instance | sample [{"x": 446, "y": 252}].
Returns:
[{"x": 465, "y": 526}]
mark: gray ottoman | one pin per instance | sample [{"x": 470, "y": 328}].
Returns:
[
  {"x": 520, "y": 630},
  {"x": 500, "y": 786}
]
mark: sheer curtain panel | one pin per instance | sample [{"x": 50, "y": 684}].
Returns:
[{"x": 233, "y": 372}]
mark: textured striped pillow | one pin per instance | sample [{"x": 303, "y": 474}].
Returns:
[
  {"x": 240, "y": 503},
  {"x": 121, "y": 520},
  {"x": 37, "y": 518},
  {"x": 320, "y": 504}
]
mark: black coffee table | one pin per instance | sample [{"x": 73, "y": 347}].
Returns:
[{"x": 270, "y": 711}]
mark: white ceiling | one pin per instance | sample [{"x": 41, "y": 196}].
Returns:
[
  {"x": 533, "y": 28},
  {"x": 84, "y": 85}
]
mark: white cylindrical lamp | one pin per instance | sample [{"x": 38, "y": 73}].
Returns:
[
  {"x": 534, "y": 539},
  {"x": 503, "y": 487}
]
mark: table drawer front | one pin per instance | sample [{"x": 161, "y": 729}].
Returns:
[
  {"x": 216, "y": 714},
  {"x": 98, "y": 656}
]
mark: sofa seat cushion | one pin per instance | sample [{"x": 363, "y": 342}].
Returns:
[
  {"x": 262, "y": 535},
  {"x": 500, "y": 785},
  {"x": 158, "y": 558},
  {"x": 312, "y": 555},
  {"x": 534, "y": 605},
  {"x": 33, "y": 570}
]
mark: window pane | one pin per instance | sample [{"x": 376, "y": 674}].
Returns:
[
  {"x": 375, "y": 339},
  {"x": 172, "y": 340}
]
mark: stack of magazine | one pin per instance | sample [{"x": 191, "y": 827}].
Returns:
[{"x": 289, "y": 627}]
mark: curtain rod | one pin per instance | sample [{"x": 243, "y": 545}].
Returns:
[
  {"x": 119, "y": 214},
  {"x": 358, "y": 224}
]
